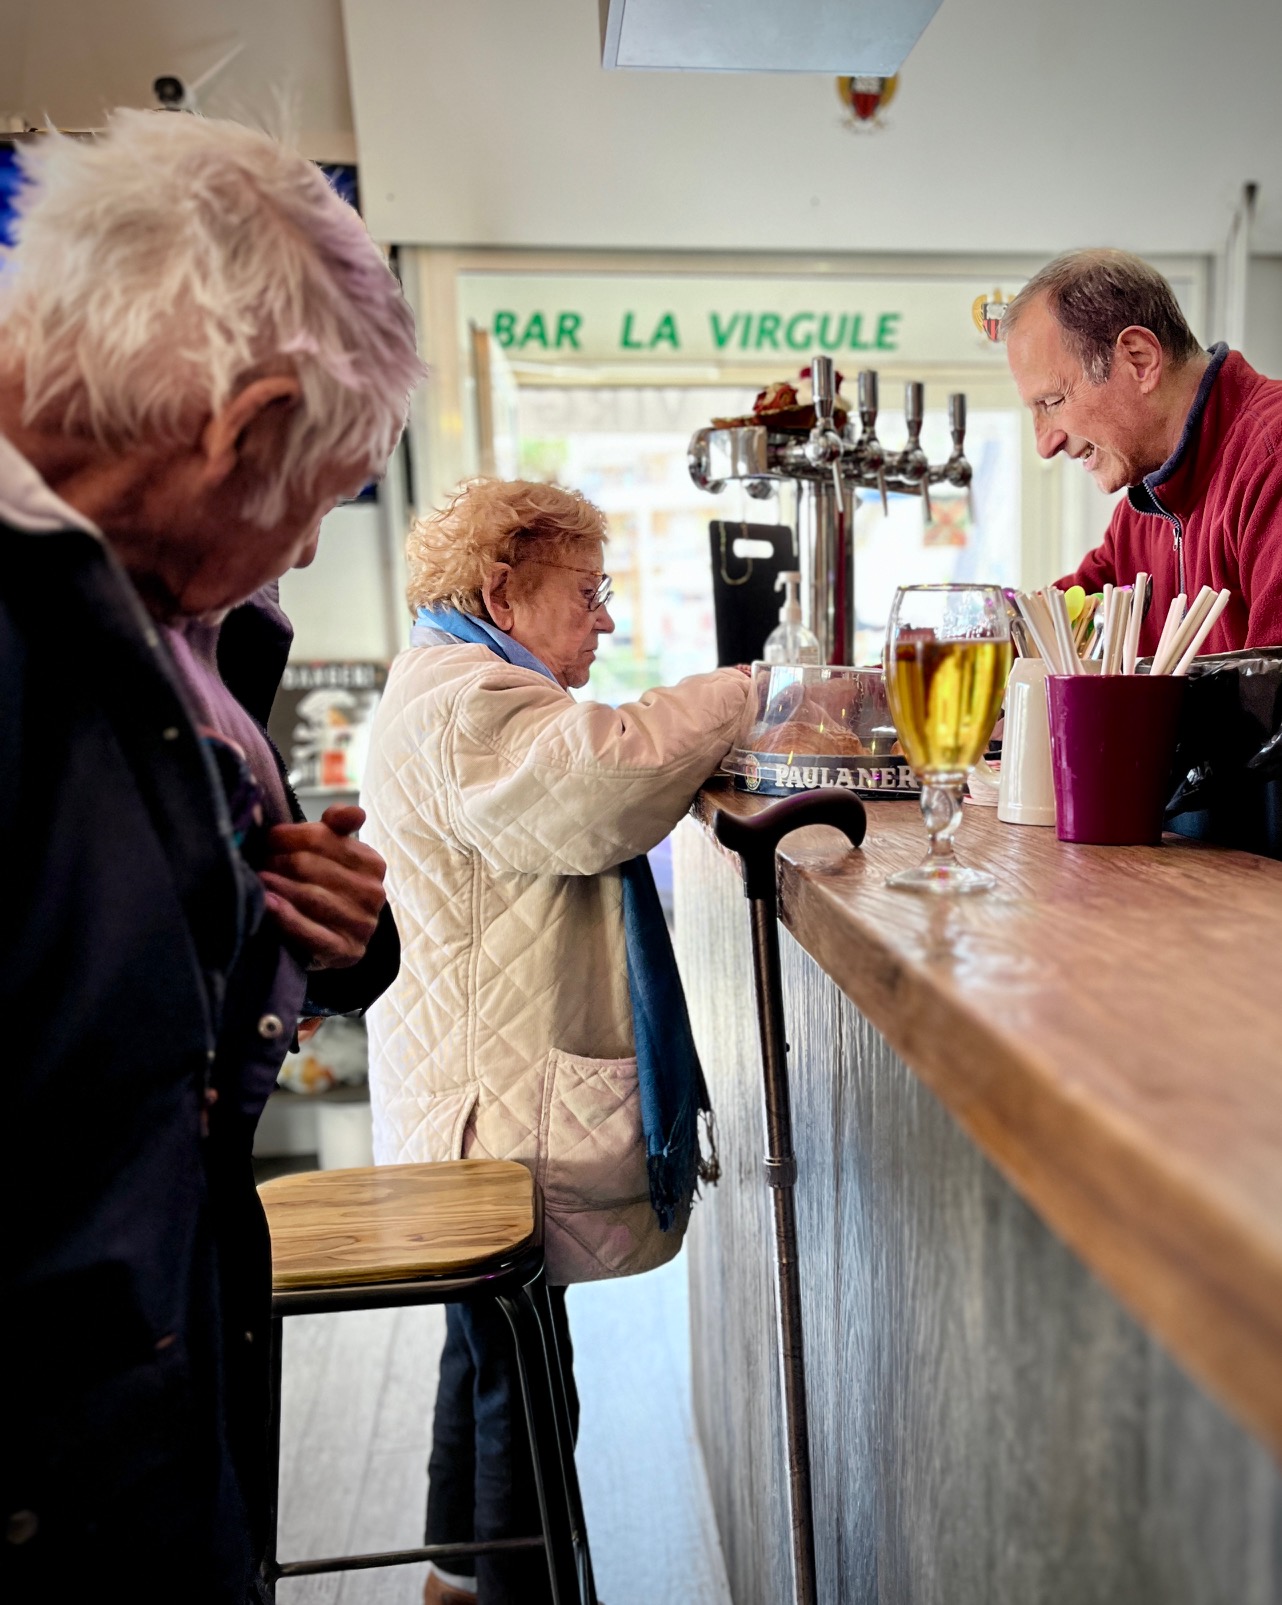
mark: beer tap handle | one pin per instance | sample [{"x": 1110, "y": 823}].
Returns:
[
  {"x": 957, "y": 469},
  {"x": 868, "y": 401},
  {"x": 824, "y": 390},
  {"x": 957, "y": 421},
  {"x": 872, "y": 457},
  {"x": 823, "y": 449},
  {"x": 914, "y": 410},
  {"x": 914, "y": 459}
]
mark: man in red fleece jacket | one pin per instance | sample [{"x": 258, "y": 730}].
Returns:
[{"x": 1104, "y": 360}]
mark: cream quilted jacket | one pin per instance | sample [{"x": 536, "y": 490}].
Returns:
[{"x": 503, "y": 808}]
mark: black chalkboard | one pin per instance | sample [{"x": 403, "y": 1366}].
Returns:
[{"x": 744, "y": 600}]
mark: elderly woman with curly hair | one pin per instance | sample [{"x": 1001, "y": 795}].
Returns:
[{"x": 538, "y": 1015}]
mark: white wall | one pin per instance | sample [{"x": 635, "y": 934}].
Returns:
[
  {"x": 1263, "y": 343},
  {"x": 1030, "y": 127},
  {"x": 338, "y": 605},
  {"x": 71, "y": 60}
]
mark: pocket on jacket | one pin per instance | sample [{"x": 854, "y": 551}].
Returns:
[{"x": 594, "y": 1150}]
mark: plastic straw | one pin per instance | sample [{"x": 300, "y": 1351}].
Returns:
[
  {"x": 1131, "y": 646},
  {"x": 1117, "y": 638},
  {"x": 1058, "y": 604},
  {"x": 1179, "y": 642},
  {"x": 1109, "y": 591},
  {"x": 1043, "y": 640},
  {"x": 1204, "y": 629},
  {"x": 1074, "y": 656},
  {"x": 1174, "y": 618}
]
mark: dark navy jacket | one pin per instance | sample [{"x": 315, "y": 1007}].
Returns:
[{"x": 136, "y": 975}]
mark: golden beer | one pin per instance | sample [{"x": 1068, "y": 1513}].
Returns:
[{"x": 945, "y": 697}]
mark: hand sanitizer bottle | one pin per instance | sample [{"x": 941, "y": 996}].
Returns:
[{"x": 790, "y": 641}]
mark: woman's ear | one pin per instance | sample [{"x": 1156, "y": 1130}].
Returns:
[{"x": 494, "y": 595}]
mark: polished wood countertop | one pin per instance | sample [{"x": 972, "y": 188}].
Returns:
[{"x": 1107, "y": 1027}]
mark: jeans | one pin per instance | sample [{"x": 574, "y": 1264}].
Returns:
[{"x": 480, "y": 1474}]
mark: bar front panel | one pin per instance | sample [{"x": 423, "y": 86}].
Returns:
[{"x": 988, "y": 1425}]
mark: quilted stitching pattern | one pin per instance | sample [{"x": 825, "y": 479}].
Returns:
[{"x": 503, "y": 809}]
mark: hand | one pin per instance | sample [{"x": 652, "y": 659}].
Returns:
[{"x": 324, "y": 889}]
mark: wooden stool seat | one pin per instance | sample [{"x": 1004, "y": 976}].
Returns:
[
  {"x": 394, "y": 1236},
  {"x": 395, "y": 1223}
]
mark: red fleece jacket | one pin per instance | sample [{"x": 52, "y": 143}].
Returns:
[{"x": 1217, "y": 502}]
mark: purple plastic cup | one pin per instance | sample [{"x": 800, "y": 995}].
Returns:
[{"x": 1112, "y": 747}]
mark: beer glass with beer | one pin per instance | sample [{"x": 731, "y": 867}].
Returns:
[{"x": 947, "y": 656}]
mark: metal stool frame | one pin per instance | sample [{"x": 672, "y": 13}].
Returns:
[{"x": 516, "y": 1282}]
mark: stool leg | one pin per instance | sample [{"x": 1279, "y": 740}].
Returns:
[
  {"x": 267, "y": 1570},
  {"x": 538, "y": 1389},
  {"x": 538, "y": 1291}
]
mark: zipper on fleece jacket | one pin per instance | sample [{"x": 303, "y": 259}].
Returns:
[{"x": 1178, "y": 535}]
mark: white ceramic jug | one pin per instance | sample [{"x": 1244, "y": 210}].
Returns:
[{"x": 1027, "y": 792}]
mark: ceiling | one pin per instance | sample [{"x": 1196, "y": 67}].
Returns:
[{"x": 1020, "y": 125}]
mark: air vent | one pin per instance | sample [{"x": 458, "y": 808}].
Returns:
[{"x": 867, "y": 37}]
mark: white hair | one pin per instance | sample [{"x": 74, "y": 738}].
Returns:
[{"x": 160, "y": 267}]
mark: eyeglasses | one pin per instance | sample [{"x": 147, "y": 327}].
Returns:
[{"x": 604, "y": 592}]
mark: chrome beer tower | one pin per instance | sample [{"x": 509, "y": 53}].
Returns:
[{"x": 828, "y": 467}]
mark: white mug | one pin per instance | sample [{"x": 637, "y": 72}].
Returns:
[{"x": 1027, "y": 792}]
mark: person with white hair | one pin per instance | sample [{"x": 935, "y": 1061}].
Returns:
[{"x": 201, "y": 352}]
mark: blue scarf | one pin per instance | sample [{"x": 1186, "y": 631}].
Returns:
[{"x": 669, "y": 1076}]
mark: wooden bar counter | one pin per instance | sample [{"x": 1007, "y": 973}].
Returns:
[{"x": 1039, "y": 1138}]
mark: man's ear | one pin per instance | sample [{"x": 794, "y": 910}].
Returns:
[
  {"x": 1140, "y": 350},
  {"x": 223, "y": 439},
  {"x": 494, "y": 595}
]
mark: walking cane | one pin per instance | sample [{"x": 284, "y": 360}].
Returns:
[{"x": 756, "y": 840}]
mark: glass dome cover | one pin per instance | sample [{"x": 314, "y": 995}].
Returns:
[{"x": 809, "y": 725}]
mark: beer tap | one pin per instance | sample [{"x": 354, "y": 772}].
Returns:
[
  {"x": 697, "y": 460},
  {"x": 957, "y": 470},
  {"x": 913, "y": 464},
  {"x": 827, "y": 466},
  {"x": 823, "y": 449},
  {"x": 870, "y": 454}
]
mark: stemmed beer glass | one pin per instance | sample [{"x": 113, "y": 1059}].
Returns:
[{"x": 947, "y": 657}]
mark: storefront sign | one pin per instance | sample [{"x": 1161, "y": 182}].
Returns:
[{"x": 734, "y": 319}]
